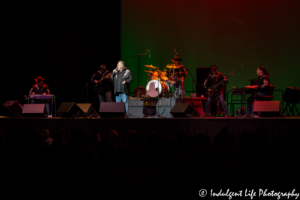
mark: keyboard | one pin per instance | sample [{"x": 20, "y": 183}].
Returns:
[
  {"x": 41, "y": 96},
  {"x": 243, "y": 90}
]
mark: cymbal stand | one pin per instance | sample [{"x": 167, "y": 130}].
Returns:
[
  {"x": 173, "y": 84},
  {"x": 158, "y": 115},
  {"x": 182, "y": 92}
]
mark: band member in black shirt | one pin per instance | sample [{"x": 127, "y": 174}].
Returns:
[
  {"x": 262, "y": 85},
  {"x": 40, "y": 88},
  {"x": 213, "y": 78},
  {"x": 121, "y": 78},
  {"x": 103, "y": 84}
]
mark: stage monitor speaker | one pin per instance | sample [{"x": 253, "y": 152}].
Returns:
[
  {"x": 68, "y": 109},
  {"x": 13, "y": 107},
  {"x": 87, "y": 110},
  {"x": 184, "y": 110},
  {"x": 34, "y": 110},
  {"x": 267, "y": 108},
  {"x": 112, "y": 109},
  {"x": 202, "y": 73}
]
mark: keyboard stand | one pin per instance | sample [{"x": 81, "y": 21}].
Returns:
[
  {"x": 53, "y": 103},
  {"x": 241, "y": 101}
]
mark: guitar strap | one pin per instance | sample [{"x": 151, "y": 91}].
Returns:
[
  {"x": 103, "y": 74},
  {"x": 216, "y": 80}
]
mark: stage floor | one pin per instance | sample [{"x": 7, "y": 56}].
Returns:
[{"x": 210, "y": 126}]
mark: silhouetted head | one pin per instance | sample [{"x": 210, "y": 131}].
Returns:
[
  {"x": 103, "y": 67},
  {"x": 214, "y": 69}
]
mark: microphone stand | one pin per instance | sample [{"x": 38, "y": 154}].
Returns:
[
  {"x": 87, "y": 90},
  {"x": 193, "y": 81},
  {"x": 158, "y": 115},
  {"x": 139, "y": 55}
]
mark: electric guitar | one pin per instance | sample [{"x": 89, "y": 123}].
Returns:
[
  {"x": 100, "y": 81},
  {"x": 215, "y": 86}
]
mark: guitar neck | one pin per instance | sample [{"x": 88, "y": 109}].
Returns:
[
  {"x": 220, "y": 82},
  {"x": 104, "y": 77}
]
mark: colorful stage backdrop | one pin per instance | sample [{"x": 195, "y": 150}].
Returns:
[
  {"x": 232, "y": 34},
  {"x": 66, "y": 44}
]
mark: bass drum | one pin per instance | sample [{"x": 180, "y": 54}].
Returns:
[{"x": 152, "y": 85}]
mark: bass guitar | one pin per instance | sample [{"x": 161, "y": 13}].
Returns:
[
  {"x": 100, "y": 81},
  {"x": 214, "y": 87}
]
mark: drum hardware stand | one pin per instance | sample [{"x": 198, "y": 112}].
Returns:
[
  {"x": 174, "y": 91},
  {"x": 183, "y": 93},
  {"x": 139, "y": 55},
  {"x": 158, "y": 115}
]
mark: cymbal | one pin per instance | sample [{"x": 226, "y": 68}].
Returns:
[
  {"x": 172, "y": 66},
  {"x": 148, "y": 71},
  {"x": 151, "y": 66},
  {"x": 171, "y": 81}
]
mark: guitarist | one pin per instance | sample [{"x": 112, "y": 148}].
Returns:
[
  {"x": 102, "y": 84},
  {"x": 213, "y": 78}
]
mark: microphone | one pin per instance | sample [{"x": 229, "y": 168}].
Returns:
[
  {"x": 116, "y": 70},
  {"x": 149, "y": 54}
]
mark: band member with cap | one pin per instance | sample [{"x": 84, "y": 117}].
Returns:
[
  {"x": 102, "y": 84},
  {"x": 40, "y": 88},
  {"x": 121, "y": 78},
  {"x": 179, "y": 72},
  {"x": 262, "y": 85},
  {"x": 213, "y": 78}
]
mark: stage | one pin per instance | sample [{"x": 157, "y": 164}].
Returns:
[{"x": 274, "y": 126}]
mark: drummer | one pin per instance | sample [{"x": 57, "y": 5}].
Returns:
[{"x": 179, "y": 72}]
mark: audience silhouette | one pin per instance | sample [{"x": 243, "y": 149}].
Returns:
[{"x": 145, "y": 166}]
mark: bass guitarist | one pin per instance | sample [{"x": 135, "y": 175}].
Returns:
[
  {"x": 213, "y": 79},
  {"x": 102, "y": 84}
]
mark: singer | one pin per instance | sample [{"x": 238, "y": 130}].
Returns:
[{"x": 121, "y": 79}]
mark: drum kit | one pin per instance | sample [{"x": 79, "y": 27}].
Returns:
[{"x": 165, "y": 81}]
